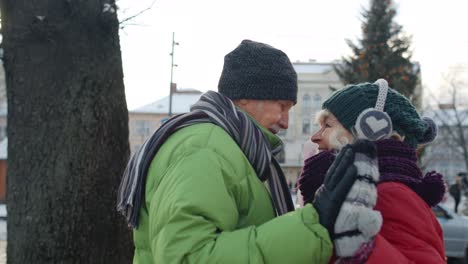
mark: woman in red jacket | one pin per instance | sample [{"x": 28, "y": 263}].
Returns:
[{"x": 409, "y": 231}]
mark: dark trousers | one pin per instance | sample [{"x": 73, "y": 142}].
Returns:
[{"x": 457, "y": 201}]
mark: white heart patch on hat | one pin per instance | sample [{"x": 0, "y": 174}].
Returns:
[
  {"x": 373, "y": 125},
  {"x": 376, "y": 125}
]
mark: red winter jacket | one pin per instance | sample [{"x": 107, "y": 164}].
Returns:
[{"x": 410, "y": 232}]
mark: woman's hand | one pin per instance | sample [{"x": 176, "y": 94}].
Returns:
[{"x": 357, "y": 223}]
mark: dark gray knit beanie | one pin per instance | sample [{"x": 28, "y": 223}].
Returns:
[{"x": 256, "y": 70}]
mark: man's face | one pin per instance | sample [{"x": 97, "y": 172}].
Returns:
[
  {"x": 332, "y": 135},
  {"x": 271, "y": 114}
]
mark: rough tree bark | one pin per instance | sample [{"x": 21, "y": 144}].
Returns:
[{"x": 68, "y": 132}]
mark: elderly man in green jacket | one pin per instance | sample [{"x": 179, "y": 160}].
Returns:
[{"x": 205, "y": 188}]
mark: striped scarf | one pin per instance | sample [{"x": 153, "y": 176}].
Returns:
[{"x": 211, "y": 108}]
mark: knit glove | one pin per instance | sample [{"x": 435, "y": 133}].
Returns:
[
  {"x": 338, "y": 181},
  {"x": 357, "y": 223}
]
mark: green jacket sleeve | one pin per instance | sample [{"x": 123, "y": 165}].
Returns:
[{"x": 194, "y": 213}]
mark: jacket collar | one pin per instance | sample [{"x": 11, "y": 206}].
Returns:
[{"x": 273, "y": 139}]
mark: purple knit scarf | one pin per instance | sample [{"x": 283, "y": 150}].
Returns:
[{"x": 397, "y": 163}]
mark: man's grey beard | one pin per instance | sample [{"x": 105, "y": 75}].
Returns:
[{"x": 275, "y": 128}]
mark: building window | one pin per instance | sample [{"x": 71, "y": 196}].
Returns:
[
  {"x": 315, "y": 127},
  {"x": 317, "y": 101},
  {"x": 142, "y": 128},
  {"x": 306, "y": 126},
  {"x": 306, "y": 104}
]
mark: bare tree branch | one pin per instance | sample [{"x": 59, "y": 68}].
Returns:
[
  {"x": 452, "y": 120},
  {"x": 137, "y": 14}
]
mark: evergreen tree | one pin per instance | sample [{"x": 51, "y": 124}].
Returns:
[{"x": 383, "y": 52}]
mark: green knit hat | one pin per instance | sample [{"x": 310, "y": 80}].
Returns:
[{"x": 346, "y": 104}]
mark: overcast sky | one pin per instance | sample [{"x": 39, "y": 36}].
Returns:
[{"x": 303, "y": 29}]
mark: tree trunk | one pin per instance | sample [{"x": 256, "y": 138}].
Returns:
[{"x": 68, "y": 132}]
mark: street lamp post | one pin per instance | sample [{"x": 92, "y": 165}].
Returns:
[{"x": 171, "y": 85}]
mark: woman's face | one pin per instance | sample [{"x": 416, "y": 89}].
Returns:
[{"x": 332, "y": 135}]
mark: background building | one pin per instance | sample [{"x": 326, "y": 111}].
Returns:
[
  {"x": 3, "y": 103},
  {"x": 3, "y": 134},
  {"x": 3, "y": 168},
  {"x": 145, "y": 120},
  {"x": 315, "y": 81}
]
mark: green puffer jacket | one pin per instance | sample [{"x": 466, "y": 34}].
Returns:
[{"x": 205, "y": 204}]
